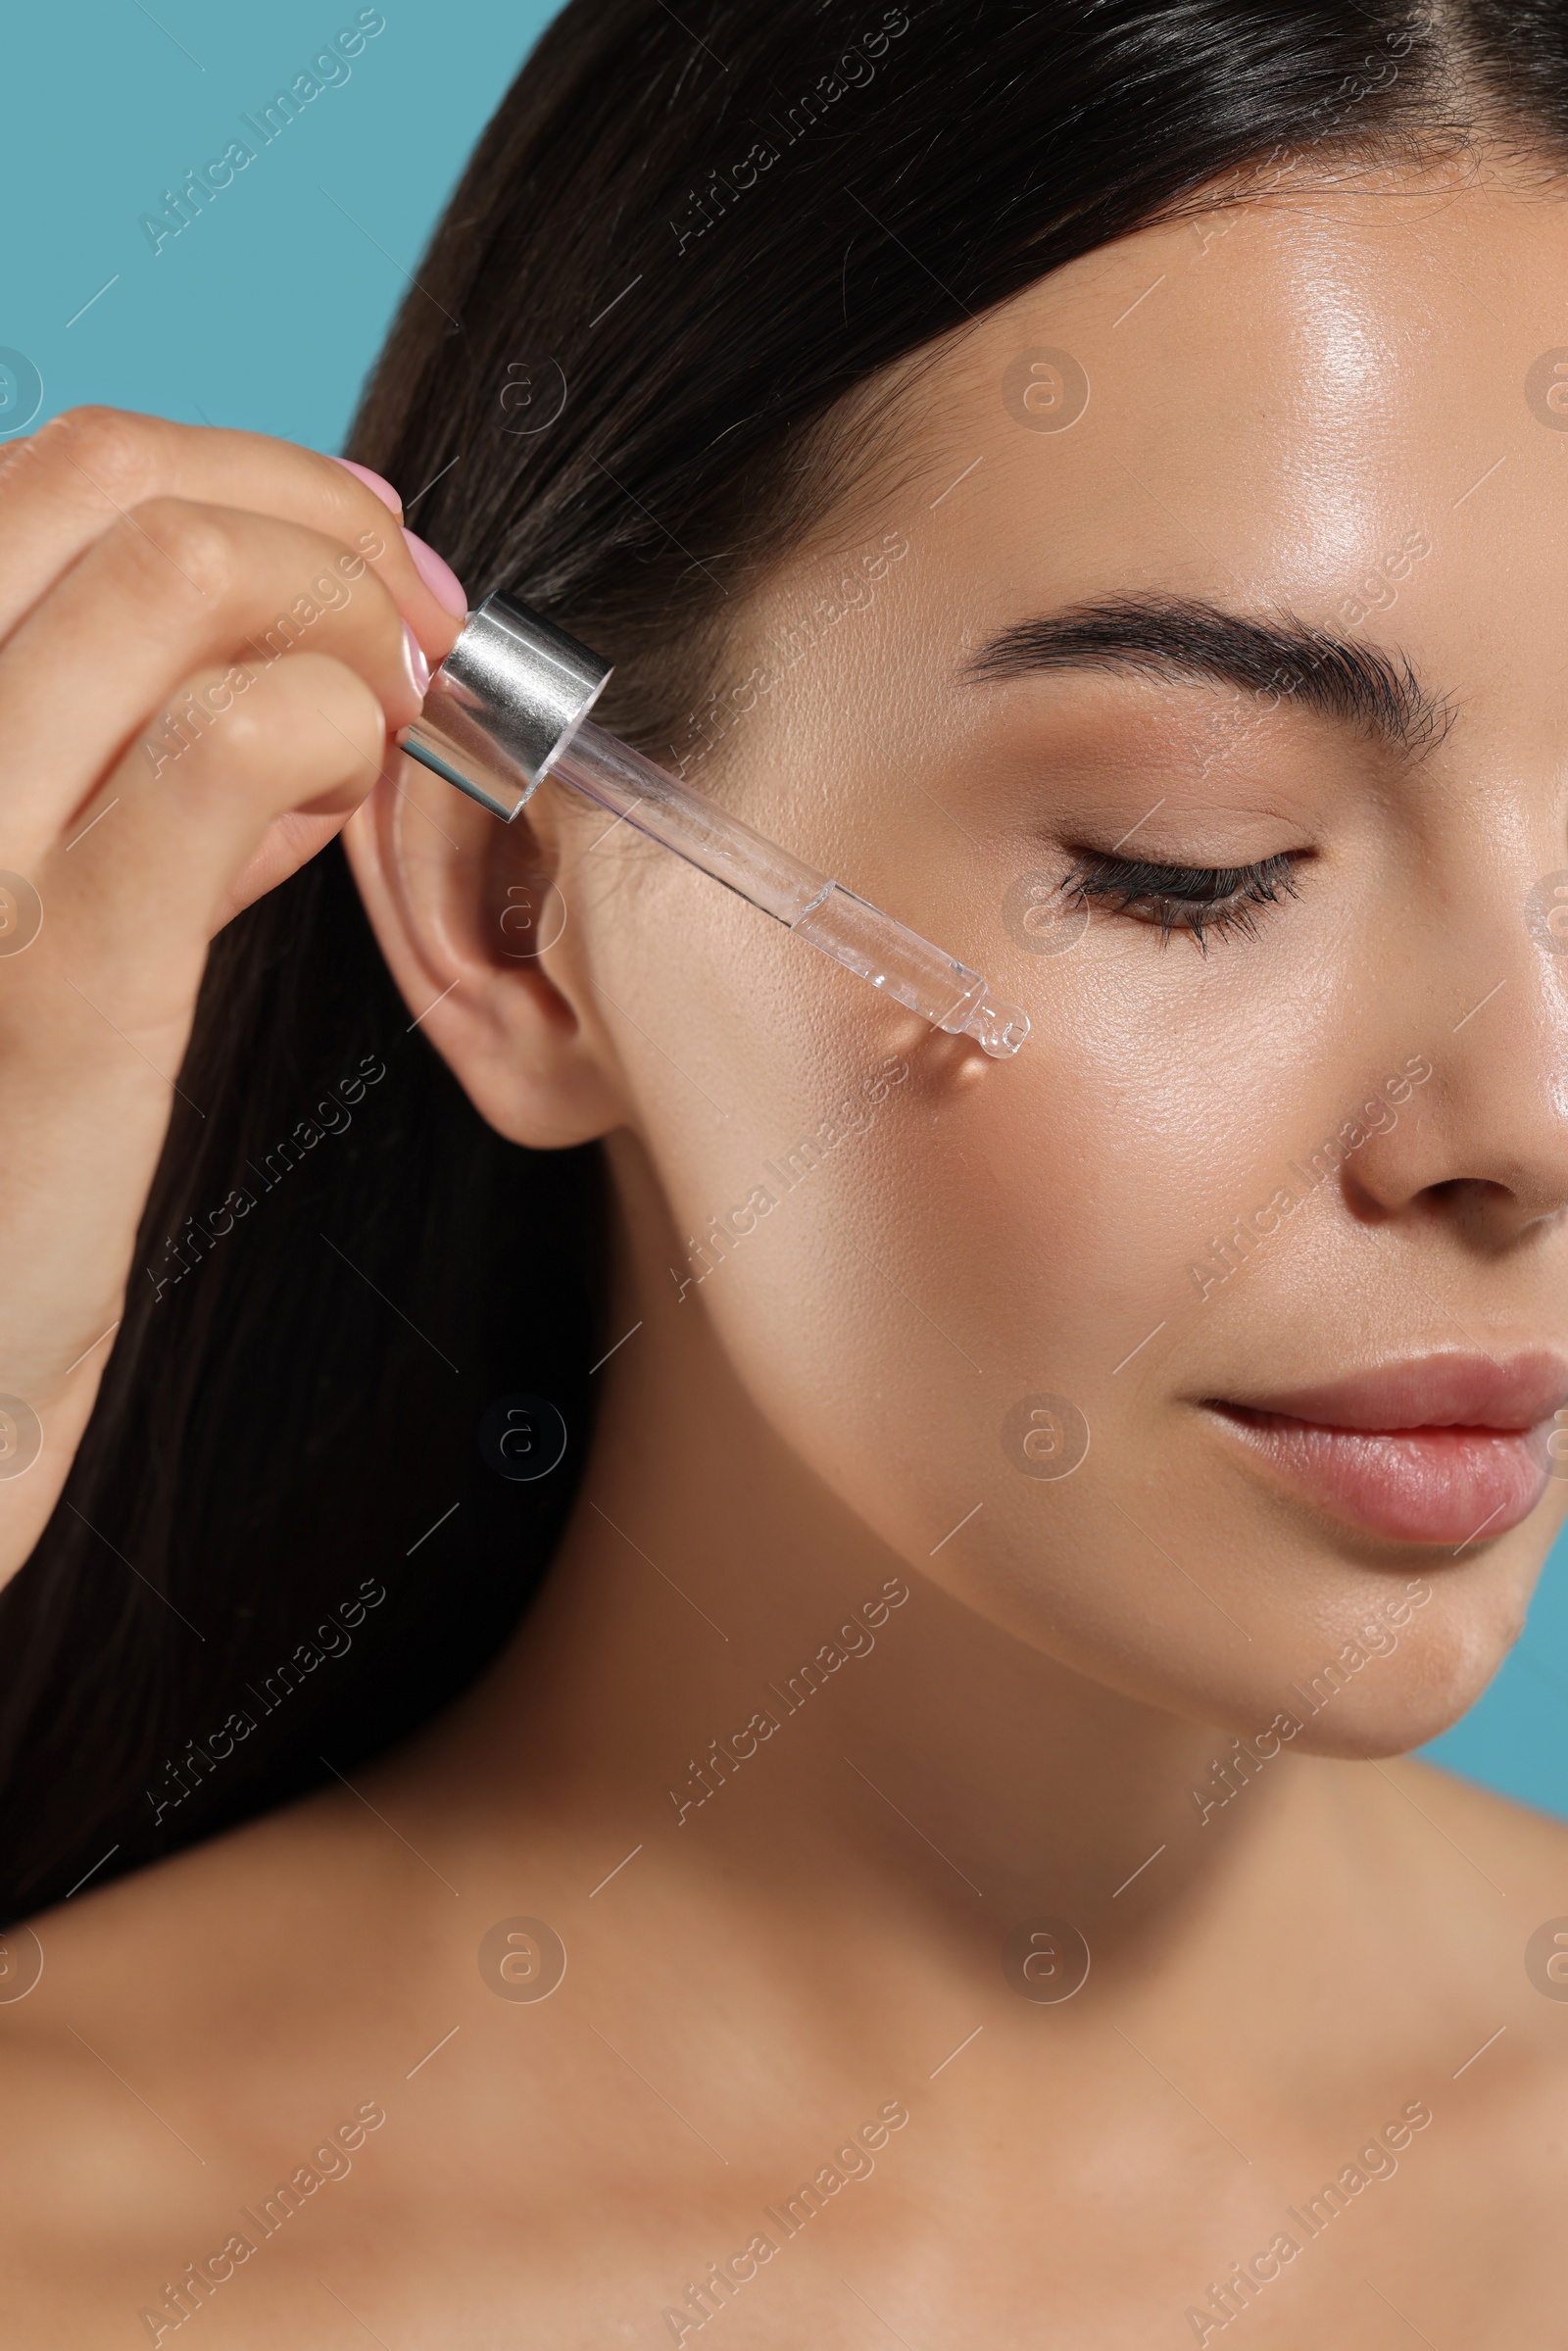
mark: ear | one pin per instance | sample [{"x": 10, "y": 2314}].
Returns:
[{"x": 479, "y": 940}]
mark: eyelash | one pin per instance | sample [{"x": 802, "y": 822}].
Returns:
[{"x": 1182, "y": 897}]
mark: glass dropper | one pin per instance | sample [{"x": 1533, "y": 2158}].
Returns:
[{"x": 510, "y": 705}]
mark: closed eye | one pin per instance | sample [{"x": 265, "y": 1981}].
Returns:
[{"x": 1199, "y": 898}]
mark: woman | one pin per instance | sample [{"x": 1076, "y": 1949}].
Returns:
[{"x": 928, "y": 1861}]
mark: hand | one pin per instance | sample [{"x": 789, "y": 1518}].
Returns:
[{"x": 203, "y": 659}]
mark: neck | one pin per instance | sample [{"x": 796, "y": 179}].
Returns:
[{"x": 731, "y": 1670}]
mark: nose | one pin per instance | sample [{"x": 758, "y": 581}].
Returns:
[{"x": 1482, "y": 1145}]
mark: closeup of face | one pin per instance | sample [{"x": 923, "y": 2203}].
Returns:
[{"x": 1226, "y": 1324}]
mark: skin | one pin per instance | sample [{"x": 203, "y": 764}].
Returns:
[{"x": 1304, "y": 382}]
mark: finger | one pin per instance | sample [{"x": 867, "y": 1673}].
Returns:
[
  {"x": 66, "y": 484},
  {"x": 95, "y": 1016},
  {"x": 291, "y": 840},
  {"x": 172, "y": 589},
  {"x": 157, "y": 865}
]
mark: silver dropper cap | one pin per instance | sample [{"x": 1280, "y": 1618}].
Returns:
[{"x": 508, "y": 696}]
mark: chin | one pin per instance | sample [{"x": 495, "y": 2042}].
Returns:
[{"x": 1371, "y": 1703}]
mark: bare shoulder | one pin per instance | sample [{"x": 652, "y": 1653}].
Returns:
[
  {"x": 222, "y": 2035},
  {"x": 185, "y": 1972},
  {"x": 262, "y": 2057},
  {"x": 182, "y": 1927},
  {"x": 1486, "y": 1882},
  {"x": 1527, "y": 1849}
]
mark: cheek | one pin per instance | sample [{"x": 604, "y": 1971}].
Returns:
[
  {"x": 993, "y": 1233},
  {"x": 976, "y": 1318}
]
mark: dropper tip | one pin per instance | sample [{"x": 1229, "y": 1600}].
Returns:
[{"x": 1000, "y": 1029}]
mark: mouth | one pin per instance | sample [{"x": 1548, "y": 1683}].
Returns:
[{"x": 1441, "y": 1448}]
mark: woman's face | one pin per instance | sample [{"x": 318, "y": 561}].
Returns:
[{"x": 1330, "y": 1143}]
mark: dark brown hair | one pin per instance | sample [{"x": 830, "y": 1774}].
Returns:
[{"x": 685, "y": 254}]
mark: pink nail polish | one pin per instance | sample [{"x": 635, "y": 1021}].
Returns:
[
  {"x": 372, "y": 482},
  {"x": 438, "y": 576},
  {"x": 419, "y": 666}
]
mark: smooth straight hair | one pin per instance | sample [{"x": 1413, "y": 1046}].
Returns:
[{"x": 660, "y": 330}]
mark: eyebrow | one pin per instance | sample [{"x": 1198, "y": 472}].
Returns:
[{"x": 1188, "y": 641}]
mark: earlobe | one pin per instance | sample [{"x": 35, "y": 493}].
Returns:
[{"x": 480, "y": 943}]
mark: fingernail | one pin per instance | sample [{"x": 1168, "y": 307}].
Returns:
[
  {"x": 419, "y": 667},
  {"x": 372, "y": 482},
  {"x": 438, "y": 576}
]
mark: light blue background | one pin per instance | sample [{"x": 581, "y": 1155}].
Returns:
[{"x": 267, "y": 309}]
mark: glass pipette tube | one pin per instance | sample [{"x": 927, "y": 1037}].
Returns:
[
  {"x": 509, "y": 706},
  {"x": 815, "y": 909}
]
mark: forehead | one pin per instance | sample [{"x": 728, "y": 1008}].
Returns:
[
  {"x": 1343, "y": 404},
  {"x": 1261, "y": 406}
]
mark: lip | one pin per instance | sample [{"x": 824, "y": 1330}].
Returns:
[{"x": 1443, "y": 1448}]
